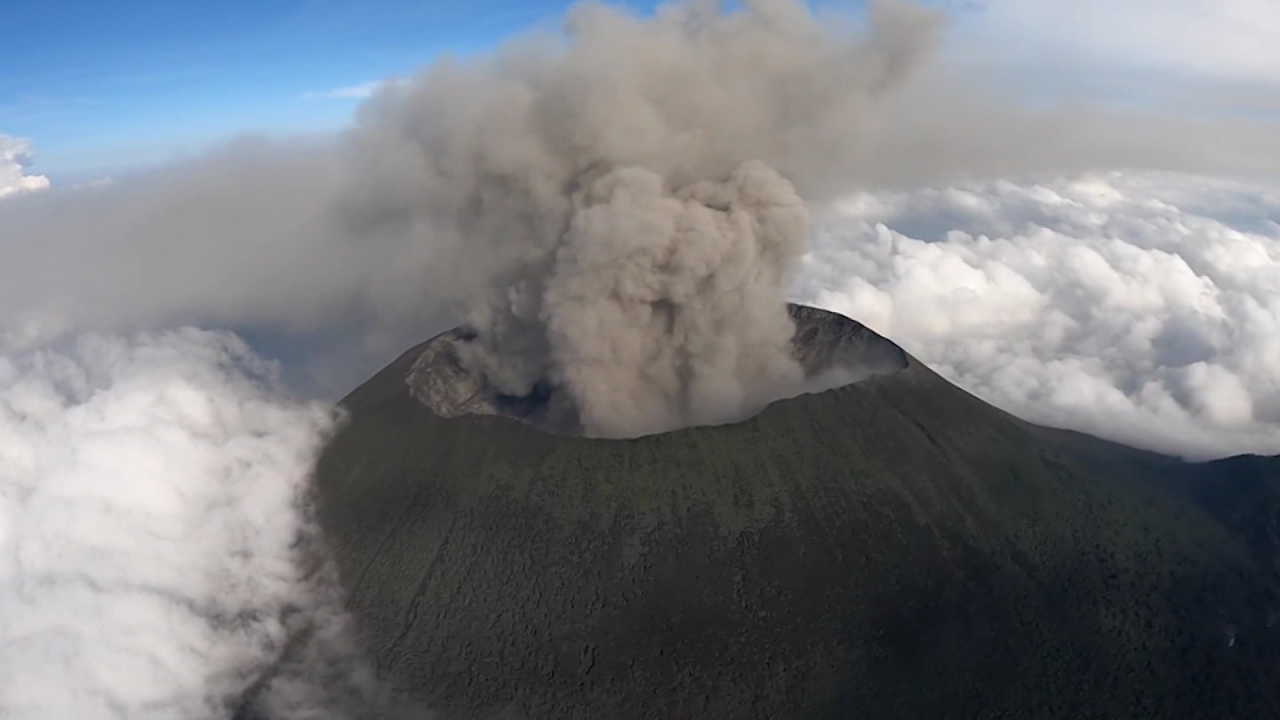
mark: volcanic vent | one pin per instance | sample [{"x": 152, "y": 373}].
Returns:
[{"x": 831, "y": 349}]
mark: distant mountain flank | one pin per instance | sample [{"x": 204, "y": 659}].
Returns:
[{"x": 891, "y": 547}]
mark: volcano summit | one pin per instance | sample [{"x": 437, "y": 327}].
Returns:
[
  {"x": 891, "y": 547},
  {"x": 636, "y": 485},
  {"x": 830, "y": 350}
]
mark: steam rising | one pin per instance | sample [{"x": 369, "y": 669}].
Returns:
[{"x": 637, "y": 191}]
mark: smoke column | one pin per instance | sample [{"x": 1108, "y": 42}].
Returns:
[{"x": 633, "y": 195}]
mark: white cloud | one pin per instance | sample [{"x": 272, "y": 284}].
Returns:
[
  {"x": 1140, "y": 307},
  {"x": 359, "y": 91},
  {"x": 151, "y": 499},
  {"x": 15, "y": 157}
]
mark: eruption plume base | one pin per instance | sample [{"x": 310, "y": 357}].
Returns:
[{"x": 831, "y": 349}]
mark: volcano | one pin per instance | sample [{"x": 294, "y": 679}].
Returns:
[{"x": 889, "y": 547}]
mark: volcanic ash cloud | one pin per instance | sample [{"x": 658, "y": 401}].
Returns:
[{"x": 629, "y": 196}]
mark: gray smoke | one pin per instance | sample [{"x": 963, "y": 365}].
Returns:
[
  {"x": 657, "y": 309},
  {"x": 634, "y": 194}
]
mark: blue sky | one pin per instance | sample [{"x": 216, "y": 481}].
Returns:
[{"x": 103, "y": 86}]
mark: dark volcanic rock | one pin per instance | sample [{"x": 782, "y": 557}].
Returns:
[
  {"x": 832, "y": 349},
  {"x": 891, "y": 548}
]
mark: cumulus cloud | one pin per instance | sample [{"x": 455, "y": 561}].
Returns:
[
  {"x": 15, "y": 157},
  {"x": 1140, "y": 307},
  {"x": 152, "y": 527}
]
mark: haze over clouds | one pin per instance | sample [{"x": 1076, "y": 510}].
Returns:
[{"x": 1234, "y": 41}]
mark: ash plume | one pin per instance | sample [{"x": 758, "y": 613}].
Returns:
[
  {"x": 453, "y": 191},
  {"x": 634, "y": 195}
]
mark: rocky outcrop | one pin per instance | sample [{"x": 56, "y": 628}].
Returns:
[{"x": 832, "y": 349}]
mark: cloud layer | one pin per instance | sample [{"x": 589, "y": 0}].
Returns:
[
  {"x": 1139, "y": 307},
  {"x": 151, "y": 506}
]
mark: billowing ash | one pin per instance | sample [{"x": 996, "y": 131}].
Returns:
[
  {"x": 659, "y": 308},
  {"x": 828, "y": 350},
  {"x": 632, "y": 194}
]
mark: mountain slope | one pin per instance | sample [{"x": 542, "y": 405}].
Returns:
[{"x": 891, "y": 548}]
